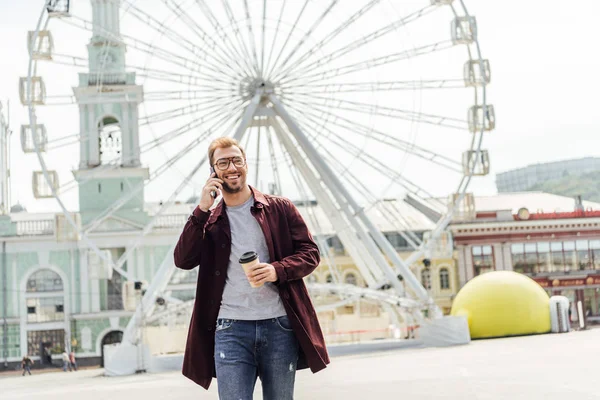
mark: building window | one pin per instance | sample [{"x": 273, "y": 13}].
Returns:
[
  {"x": 109, "y": 141},
  {"x": 45, "y": 309},
  {"x": 44, "y": 280},
  {"x": 312, "y": 278},
  {"x": 336, "y": 244},
  {"x": 595, "y": 251},
  {"x": 483, "y": 259},
  {"x": 350, "y": 279},
  {"x": 444, "y": 279},
  {"x": 426, "y": 278},
  {"x": 544, "y": 257},
  {"x": 396, "y": 240},
  {"x": 329, "y": 278},
  {"x": 584, "y": 260}
]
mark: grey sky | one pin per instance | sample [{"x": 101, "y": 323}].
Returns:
[{"x": 544, "y": 81}]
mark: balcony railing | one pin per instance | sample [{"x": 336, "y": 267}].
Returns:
[
  {"x": 35, "y": 227},
  {"x": 171, "y": 221}
]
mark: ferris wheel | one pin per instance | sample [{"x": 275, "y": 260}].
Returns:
[{"x": 345, "y": 103}]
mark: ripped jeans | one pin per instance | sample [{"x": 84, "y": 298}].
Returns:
[{"x": 245, "y": 350}]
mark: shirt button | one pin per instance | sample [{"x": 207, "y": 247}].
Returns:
[
  {"x": 212, "y": 302},
  {"x": 223, "y": 246},
  {"x": 209, "y": 328},
  {"x": 217, "y": 273}
]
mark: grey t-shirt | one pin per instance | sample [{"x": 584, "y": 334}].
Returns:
[{"x": 240, "y": 300}]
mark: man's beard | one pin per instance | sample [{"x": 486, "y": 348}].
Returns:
[{"x": 227, "y": 188}]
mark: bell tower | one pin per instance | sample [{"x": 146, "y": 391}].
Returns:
[{"x": 110, "y": 166}]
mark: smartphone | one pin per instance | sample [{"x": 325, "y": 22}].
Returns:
[{"x": 213, "y": 193}]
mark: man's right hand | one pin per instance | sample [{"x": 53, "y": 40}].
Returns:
[{"x": 213, "y": 184}]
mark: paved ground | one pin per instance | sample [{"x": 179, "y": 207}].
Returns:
[{"x": 544, "y": 367}]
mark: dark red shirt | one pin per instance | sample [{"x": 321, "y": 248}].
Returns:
[{"x": 206, "y": 241}]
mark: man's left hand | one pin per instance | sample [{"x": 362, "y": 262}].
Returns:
[{"x": 261, "y": 273}]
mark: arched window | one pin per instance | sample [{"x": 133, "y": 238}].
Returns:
[
  {"x": 312, "y": 278},
  {"x": 350, "y": 278},
  {"x": 426, "y": 278},
  {"x": 329, "y": 278},
  {"x": 444, "y": 278},
  {"x": 50, "y": 306},
  {"x": 110, "y": 141},
  {"x": 45, "y": 280}
]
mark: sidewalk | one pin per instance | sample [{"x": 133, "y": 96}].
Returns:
[{"x": 544, "y": 367}]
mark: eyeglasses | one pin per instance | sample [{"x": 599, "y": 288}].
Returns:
[{"x": 223, "y": 163}]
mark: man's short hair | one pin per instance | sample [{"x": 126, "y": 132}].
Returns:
[{"x": 223, "y": 143}]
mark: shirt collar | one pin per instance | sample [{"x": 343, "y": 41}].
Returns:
[{"x": 260, "y": 201}]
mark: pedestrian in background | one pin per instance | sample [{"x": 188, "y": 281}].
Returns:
[
  {"x": 66, "y": 362},
  {"x": 73, "y": 361},
  {"x": 26, "y": 364}
]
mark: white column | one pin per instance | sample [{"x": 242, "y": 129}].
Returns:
[
  {"x": 95, "y": 17},
  {"x": 135, "y": 135},
  {"x": 94, "y": 151},
  {"x": 152, "y": 261},
  {"x": 74, "y": 287},
  {"x": 462, "y": 274},
  {"x": 141, "y": 270},
  {"x": 84, "y": 282},
  {"x": 469, "y": 272},
  {"x": 115, "y": 17},
  {"x": 131, "y": 267},
  {"x": 498, "y": 257},
  {"x": 126, "y": 150},
  {"x": 15, "y": 293},
  {"x": 83, "y": 153},
  {"x": 95, "y": 292},
  {"x": 507, "y": 256}
]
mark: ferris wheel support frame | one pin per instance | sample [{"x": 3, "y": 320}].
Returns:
[{"x": 342, "y": 194}]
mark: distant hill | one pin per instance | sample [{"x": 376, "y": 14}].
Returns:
[{"x": 587, "y": 185}]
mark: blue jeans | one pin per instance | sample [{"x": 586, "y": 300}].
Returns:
[{"x": 245, "y": 350}]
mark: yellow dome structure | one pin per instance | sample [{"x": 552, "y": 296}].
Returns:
[{"x": 503, "y": 303}]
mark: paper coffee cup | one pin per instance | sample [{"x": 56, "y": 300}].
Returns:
[{"x": 247, "y": 261}]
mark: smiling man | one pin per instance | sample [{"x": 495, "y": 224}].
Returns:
[{"x": 239, "y": 332}]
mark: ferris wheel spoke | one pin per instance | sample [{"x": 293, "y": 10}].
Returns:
[
  {"x": 233, "y": 53},
  {"x": 192, "y": 109},
  {"x": 275, "y": 36},
  {"x": 212, "y": 44},
  {"x": 318, "y": 231},
  {"x": 69, "y": 60},
  {"x": 401, "y": 225},
  {"x": 60, "y": 100},
  {"x": 251, "y": 38},
  {"x": 183, "y": 95},
  {"x": 238, "y": 34},
  {"x": 365, "y": 158},
  {"x": 373, "y": 109},
  {"x": 308, "y": 33},
  {"x": 287, "y": 39},
  {"x": 402, "y": 221},
  {"x": 382, "y": 137},
  {"x": 262, "y": 51},
  {"x": 323, "y": 60},
  {"x": 372, "y": 86},
  {"x": 180, "y": 40},
  {"x": 184, "y": 79},
  {"x": 144, "y": 47},
  {"x": 182, "y": 130},
  {"x": 368, "y": 64},
  {"x": 300, "y": 184},
  {"x": 274, "y": 162},
  {"x": 329, "y": 37}
]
